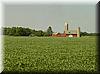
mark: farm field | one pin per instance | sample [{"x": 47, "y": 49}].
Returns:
[{"x": 50, "y": 54}]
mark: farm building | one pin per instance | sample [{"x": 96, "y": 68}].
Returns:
[{"x": 67, "y": 32}]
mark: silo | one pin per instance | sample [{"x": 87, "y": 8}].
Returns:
[
  {"x": 66, "y": 27},
  {"x": 78, "y": 32}
]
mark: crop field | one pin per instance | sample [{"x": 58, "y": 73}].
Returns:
[{"x": 50, "y": 54}]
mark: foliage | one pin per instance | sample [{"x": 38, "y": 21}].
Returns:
[
  {"x": 50, "y": 54},
  {"x": 89, "y": 34},
  {"x": 49, "y": 31},
  {"x": 39, "y": 33},
  {"x": 17, "y": 31},
  {"x": 32, "y": 35},
  {"x": 20, "y": 31}
]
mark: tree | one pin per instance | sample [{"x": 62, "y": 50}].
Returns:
[
  {"x": 10, "y": 31},
  {"x": 26, "y": 31},
  {"x": 45, "y": 34},
  {"x": 84, "y": 34},
  {"x": 39, "y": 33},
  {"x": 6, "y": 30},
  {"x": 49, "y": 31},
  {"x": 21, "y": 31}
]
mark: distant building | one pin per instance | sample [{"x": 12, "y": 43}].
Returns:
[{"x": 67, "y": 32}]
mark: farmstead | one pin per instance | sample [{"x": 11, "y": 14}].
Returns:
[{"x": 68, "y": 33}]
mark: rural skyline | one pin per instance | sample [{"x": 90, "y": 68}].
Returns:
[{"x": 40, "y": 16}]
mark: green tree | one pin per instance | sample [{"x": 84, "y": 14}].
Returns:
[
  {"x": 49, "y": 31},
  {"x": 19, "y": 31},
  {"x": 26, "y": 31},
  {"x": 11, "y": 31},
  {"x": 45, "y": 34},
  {"x": 84, "y": 34},
  {"x": 6, "y": 30},
  {"x": 39, "y": 33}
]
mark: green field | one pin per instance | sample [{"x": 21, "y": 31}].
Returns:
[{"x": 50, "y": 54}]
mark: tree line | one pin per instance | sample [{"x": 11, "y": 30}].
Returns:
[
  {"x": 89, "y": 34},
  {"x": 20, "y": 31}
]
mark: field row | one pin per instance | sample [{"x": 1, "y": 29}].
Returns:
[{"x": 50, "y": 54}]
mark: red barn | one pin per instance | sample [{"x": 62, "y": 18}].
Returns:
[
  {"x": 68, "y": 33},
  {"x": 59, "y": 35}
]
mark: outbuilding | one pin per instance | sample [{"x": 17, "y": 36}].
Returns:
[{"x": 68, "y": 33}]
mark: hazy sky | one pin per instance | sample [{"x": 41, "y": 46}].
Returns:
[{"x": 40, "y": 16}]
